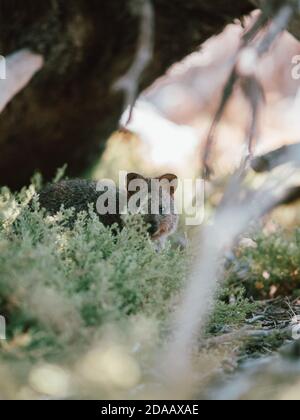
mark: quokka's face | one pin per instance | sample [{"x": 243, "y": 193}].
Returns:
[{"x": 154, "y": 199}]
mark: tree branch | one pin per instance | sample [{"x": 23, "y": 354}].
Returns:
[
  {"x": 244, "y": 67},
  {"x": 129, "y": 83},
  {"x": 20, "y": 68}
]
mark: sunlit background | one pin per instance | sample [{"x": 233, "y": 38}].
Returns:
[{"x": 172, "y": 118}]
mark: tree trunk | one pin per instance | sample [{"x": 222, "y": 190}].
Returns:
[{"x": 68, "y": 110}]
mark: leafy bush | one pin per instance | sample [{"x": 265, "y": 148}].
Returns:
[
  {"x": 57, "y": 283},
  {"x": 72, "y": 297},
  {"x": 231, "y": 310},
  {"x": 270, "y": 268}
]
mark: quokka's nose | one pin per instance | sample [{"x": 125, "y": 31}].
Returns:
[{"x": 153, "y": 227}]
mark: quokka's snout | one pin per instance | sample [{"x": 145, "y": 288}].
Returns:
[{"x": 159, "y": 201}]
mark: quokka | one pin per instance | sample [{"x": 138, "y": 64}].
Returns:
[{"x": 80, "y": 194}]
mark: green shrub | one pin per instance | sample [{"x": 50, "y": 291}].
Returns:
[
  {"x": 269, "y": 269},
  {"x": 63, "y": 291},
  {"x": 57, "y": 283},
  {"x": 231, "y": 310}
]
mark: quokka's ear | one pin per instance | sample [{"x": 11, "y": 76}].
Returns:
[
  {"x": 131, "y": 177},
  {"x": 172, "y": 182}
]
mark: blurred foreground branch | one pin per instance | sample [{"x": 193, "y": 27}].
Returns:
[
  {"x": 20, "y": 68},
  {"x": 239, "y": 209}
]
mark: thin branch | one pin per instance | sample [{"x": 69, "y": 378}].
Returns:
[
  {"x": 129, "y": 83},
  {"x": 228, "y": 90},
  {"x": 269, "y": 161},
  {"x": 240, "y": 335},
  {"x": 254, "y": 93},
  {"x": 282, "y": 156},
  {"x": 277, "y": 26}
]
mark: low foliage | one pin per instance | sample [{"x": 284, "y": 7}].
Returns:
[
  {"x": 57, "y": 283},
  {"x": 270, "y": 267},
  {"x": 64, "y": 290}
]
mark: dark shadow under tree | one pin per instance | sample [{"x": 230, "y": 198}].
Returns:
[{"x": 69, "y": 109}]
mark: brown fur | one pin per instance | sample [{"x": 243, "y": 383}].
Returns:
[{"x": 79, "y": 194}]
